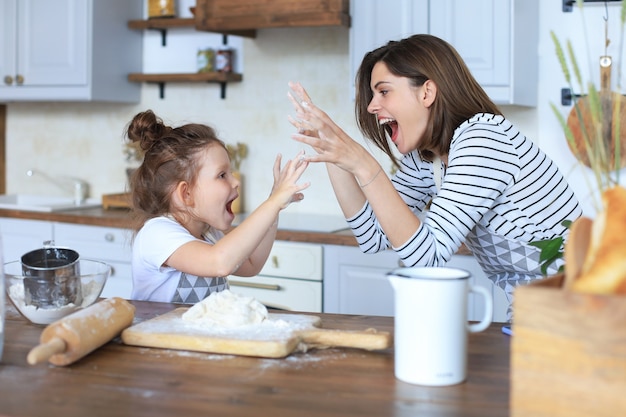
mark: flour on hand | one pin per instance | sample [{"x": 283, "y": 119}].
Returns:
[{"x": 226, "y": 309}]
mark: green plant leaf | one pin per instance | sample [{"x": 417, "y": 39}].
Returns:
[{"x": 550, "y": 249}]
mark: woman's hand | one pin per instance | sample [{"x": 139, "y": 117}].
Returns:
[{"x": 318, "y": 130}]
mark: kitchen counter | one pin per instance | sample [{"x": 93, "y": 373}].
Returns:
[
  {"x": 119, "y": 380},
  {"x": 295, "y": 229}
]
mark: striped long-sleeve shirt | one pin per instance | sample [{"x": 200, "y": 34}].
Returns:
[{"x": 499, "y": 192}]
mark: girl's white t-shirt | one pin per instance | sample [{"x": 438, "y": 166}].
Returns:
[{"x": 154, "y": 244}]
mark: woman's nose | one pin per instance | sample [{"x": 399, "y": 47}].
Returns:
[{"x": 373, "y": 107}]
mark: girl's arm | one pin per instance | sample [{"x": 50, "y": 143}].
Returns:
[{"x": 244, "y": 250}]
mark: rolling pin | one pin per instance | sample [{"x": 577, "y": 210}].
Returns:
[{"x": 70, "y": 338}]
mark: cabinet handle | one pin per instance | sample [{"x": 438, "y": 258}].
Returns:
[
  {"x": 254, "y": 285},
  {"x": 275, "y": 261},
  {"x": 109, "y": 237},
  {"x": 8, "y": 80},
  {"x": 112, "y": 271},
  {"x": 19, "y": 79}
]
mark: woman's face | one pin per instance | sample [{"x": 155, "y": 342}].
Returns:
[
  {"x": 400, "y": 107},
  {"x": 215, "y": 189}
]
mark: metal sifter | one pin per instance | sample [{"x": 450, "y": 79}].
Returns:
[{"x": 51, "y": 277}]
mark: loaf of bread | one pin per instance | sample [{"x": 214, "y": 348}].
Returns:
[{"x": 604, "y": 268}]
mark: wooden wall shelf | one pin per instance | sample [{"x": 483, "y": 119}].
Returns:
[
  {"x": 162, "y": 24},
  {"x": 220, "y": 15},
  {"x": 211, "y": 77}
]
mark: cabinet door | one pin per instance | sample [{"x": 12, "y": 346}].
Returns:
[
  {"x": 107, "y": 244},
  {"x": 52, "y": 41},
  {"x": 376, "y": 22},
  {"x": 480, "y": 32},
  {"x": 69, "y": 50},
  {"x": 8, "y": 30},
  {"x": 21, "y": 236},
  {"x": 356, "y": 283},
  {"x": 498, "y": 39}
]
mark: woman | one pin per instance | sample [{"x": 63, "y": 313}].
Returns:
[{"x": 485, "y": 183}]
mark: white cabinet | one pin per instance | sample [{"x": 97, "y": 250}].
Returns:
[
  {"x": 290, "y": 280},
  {"x": 69, "y": 50},
  {"x": 498, "y": 39},
  {"x": 356, "y": 283},
  {"x": 20, "y": 236},
  {"x": 107, "y": 244}
]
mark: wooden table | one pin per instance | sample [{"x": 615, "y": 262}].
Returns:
[{"x": 119, "y": 380}]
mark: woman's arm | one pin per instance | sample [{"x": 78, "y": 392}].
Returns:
[{"x": 355, "y": 174}]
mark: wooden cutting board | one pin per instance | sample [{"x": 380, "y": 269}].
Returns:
[
  {"x": 277, "y": 337},
  {"x": 120, "y": 200}
]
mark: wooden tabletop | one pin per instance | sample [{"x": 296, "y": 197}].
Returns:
[{"x": 120, "y": 380}]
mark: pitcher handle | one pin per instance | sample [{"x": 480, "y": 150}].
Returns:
[{"x": 488, "y": 317}]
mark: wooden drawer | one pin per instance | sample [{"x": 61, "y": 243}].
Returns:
[{"x": 294, "y": 260}]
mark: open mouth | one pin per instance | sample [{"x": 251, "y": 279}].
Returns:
[
  {"x": 391, "y": 127},
  {"x": 229, "y": 205}
]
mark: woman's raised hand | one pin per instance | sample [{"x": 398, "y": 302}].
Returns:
[{"x": 318, "y": 130}]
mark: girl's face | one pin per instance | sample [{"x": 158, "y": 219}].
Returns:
[
  {"x": 401, "y": 108},
  {"x": 215, "y": 189}
]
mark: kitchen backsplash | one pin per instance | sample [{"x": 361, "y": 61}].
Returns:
[{"x": 85, "y": 140}]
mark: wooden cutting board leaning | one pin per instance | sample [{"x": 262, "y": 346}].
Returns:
[{"x": 277, "y": 337}]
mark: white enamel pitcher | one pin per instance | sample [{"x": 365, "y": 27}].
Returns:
[{"x": 431, "y": 326}]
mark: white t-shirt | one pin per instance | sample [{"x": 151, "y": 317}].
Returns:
[{"x": 154, "y": 244}]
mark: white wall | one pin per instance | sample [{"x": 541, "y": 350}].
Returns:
[{"x": 85, "y": 140}]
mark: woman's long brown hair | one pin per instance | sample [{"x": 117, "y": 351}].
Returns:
[{"x": 420, "y": 58}]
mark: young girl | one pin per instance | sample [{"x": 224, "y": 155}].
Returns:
[
  {"x": 182, "y": 195},
  {"x": 489, "y": 187}
]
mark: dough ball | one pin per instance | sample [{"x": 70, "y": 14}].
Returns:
[{"x": 226, "y": 309}]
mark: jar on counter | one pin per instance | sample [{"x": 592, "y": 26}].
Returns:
[
  {"x": 205, "y": 60},
  {"x": 224, "y": 60}
]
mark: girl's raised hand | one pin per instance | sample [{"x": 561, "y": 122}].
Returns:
[{"x": 286, "y": 189}]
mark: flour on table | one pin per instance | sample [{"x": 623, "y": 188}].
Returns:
[{"x": 226, "y": 309}]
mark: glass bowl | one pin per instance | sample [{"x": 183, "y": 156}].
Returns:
[{"x": 93, "y": 277}]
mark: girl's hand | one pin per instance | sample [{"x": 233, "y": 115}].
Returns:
[
  {"x": 286, "y": 189},
  {"x": 317, "y": 129}
]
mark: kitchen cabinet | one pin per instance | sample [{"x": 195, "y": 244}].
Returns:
[
  {"x": 21, "y": 236},
  {"x": 498, "y": 39},
  {"x": 290, "y": 280},
  {"x": 107, "y": 244},
  {"x": 356, "y": 283},
  {"x": 68, "y": 50}
]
